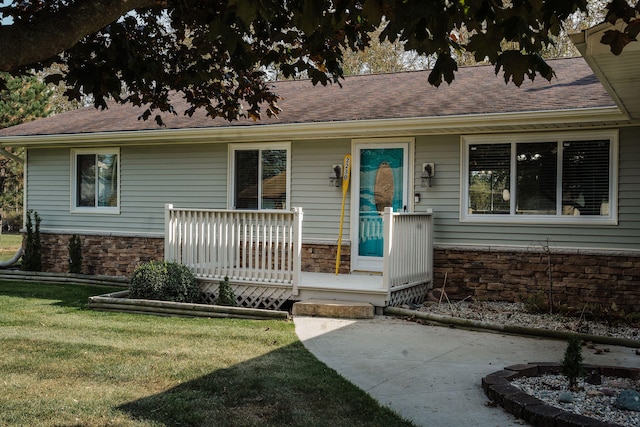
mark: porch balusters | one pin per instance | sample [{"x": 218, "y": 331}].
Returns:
[
  {"x": 408, "y": 248},
  {"x": 246, "y": 246}
]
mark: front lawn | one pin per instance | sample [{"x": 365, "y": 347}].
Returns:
[
  {"x": 9, "y": 245},
  {"x": 61, "y": 364}
]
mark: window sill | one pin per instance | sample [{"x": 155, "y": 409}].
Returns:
[
  {"x": 96, "y": 211},
  {"x": 570, "y": 220}
]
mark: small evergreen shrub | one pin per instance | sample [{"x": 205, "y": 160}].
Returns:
[
  {"x": 166, "y": 281},
  {"x": 572, "y": 362},
  {"x": 535, "y": 303},
  {"x": 32, "y": 256},
  {"x": 225, "y": 294},
  {"x": 75, "y": 254}
]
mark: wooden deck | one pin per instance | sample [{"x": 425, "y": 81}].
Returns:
[
  {"x": 356, "y": 287},
  {"x": 261, "y": 254}
]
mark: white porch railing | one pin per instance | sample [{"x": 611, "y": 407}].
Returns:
[
  {"x": 408, "y": 249},
  {"x": 246, "y": 246},
  {"x": 260, "y": 251}
]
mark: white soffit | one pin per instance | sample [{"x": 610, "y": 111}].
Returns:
[{"x": 619, "y": 74}]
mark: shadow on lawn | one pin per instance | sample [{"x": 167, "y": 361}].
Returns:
[{"x": 287, "y": 386}]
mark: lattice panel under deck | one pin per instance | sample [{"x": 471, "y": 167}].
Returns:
[
  {"x": 413, "y": 295},
  {"x": 250, "y": 296}
]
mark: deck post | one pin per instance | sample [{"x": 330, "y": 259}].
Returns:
[
  {"x": 169, "y": 234},
  {"x": 297, "y": 249},
  {"x": 387, "y": 219},
  {"x": 430, "y": 245}
]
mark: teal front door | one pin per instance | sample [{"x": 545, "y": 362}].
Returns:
[{"x": 381, "y": 183}]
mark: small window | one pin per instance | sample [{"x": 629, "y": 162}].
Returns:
[
  {"x": 555, "y": 178},
  {"x": 260, "y": 176},
  {"x": 96, "y": 184}
]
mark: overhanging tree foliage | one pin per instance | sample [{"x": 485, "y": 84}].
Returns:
[
  {"x": 214, "y": 52},
  {"x": 26, "y": 98}
]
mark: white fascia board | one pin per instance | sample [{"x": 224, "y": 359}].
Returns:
[
  {"x": 328, "y": 130},
  {"x": 589, "y": 44}
]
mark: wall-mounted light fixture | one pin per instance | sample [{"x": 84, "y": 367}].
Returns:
[
  {"x": 428, "y": 172},
  {"x": 335, "y": 178}
]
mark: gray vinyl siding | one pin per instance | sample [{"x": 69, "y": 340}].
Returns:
[
  {"x": 310, "y": 189},
  {"x": 48, "y": 185},
  {"x": 150, "y": 177},
  {"x": 444, "y": 198},
  {"x": 195, "y": 175},
  {"x": 189, "y": 176}
]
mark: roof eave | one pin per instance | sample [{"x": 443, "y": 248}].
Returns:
[
  {"x": 610, "y": 69},
  {"x": 472, "y": 123}
]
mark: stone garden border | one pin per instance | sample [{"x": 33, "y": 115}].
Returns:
[
  {"x": 509, "y": 329},
  {"x": 497, "y": 386},
  {"x": 119, "y": 301}
]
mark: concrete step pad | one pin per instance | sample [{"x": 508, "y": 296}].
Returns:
[{"x": 333, "y": 308}]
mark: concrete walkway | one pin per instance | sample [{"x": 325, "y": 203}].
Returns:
[{"x": 431, "y": 375}]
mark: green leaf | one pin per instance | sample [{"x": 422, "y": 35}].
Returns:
[
  {"x": 444, "y": 68},
  {"x": 372, "y": 10},
  {"x": 513, "y": 66},
  {"x": 245, "y": 12},
  {"x": 616, "y": 40},
  {"x": 516, "y": 66},
  {"x": 633, "y": 29},
  {"x": 485, "y": 45}
]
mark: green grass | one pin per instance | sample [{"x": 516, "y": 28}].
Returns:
[
  {"x": 9, "y": 244},
  {"x": 64, "y": 365}
]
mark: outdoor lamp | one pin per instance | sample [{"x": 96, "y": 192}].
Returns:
[
  {"x": 336, "y": 176},
  {"x": 428, "y": 171}
]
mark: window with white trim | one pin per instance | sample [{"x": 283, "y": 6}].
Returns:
[
  {"x": 260, "y": 176},
  {"x": 95, "y": 185},
  {"x": 546, "y": 178}
]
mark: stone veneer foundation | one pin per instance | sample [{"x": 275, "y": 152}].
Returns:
[
  {"x": 578, "y": 277},
  {"x": 119, "y": 256},
  {"x": 485, "y": 274},
  {"x": 101, "y": 255}
]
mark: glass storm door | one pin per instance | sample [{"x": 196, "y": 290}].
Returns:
[{"x": 381, "y": 182}]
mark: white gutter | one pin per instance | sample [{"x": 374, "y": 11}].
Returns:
[
  {"x": 598, "y": 56},
  {"x": 472, "y": 123}
]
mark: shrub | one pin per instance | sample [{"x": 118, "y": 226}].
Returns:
[
  {"x": 535, "y": 303},
  {"x": 166, "y": 281},
  {"x": 225, "y": 294},
  {"x": 75, "y": 254},
  {"x": 32, "y": 257},
  {"x": 572, "y": 362}
]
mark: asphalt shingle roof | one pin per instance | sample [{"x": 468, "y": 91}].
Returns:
[{"x": 476, "y": 90}]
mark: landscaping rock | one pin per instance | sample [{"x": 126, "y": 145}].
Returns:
[
  {"x": 629, "y": 400},
  {"x": 593, "y": 378},
  {"x": 565, "y": 397}
]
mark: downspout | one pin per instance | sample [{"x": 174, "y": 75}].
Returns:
[
  {"x": 12, "y": 261},
  {"x": 18, "y": 254}
]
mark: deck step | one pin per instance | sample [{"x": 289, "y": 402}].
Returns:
[{"x": 333, "y": 308}]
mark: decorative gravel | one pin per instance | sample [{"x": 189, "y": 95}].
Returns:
[
  {"x": 595, "y": 401},
  {"x": 507, "y": 313}
]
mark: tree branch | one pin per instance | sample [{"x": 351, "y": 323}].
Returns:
[{"x": 49, "y": 34}]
